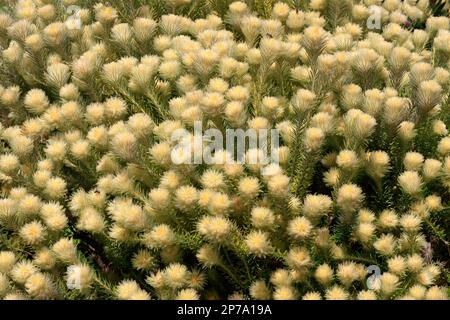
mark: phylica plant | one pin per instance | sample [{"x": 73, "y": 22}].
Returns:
[{"x": 93, "y": 205}]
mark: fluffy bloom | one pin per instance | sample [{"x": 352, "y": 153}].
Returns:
[
  {"x": 130, "y": 290},
  {"x": 40, "y": 286},
  {"x": 33, "y": 232},
  {"x": 336, "y": 293},
  {"x": 385, "y": 244},
  {"x": 299, "y": 228},
  {"x": 413, "y": 161},
  {"x": 36, "y": 101},
  {"x": 44, "y": 259},
  {"x": 65, "y": 250},
  {"x": 347, "y": 159},
  {"x": 324, "y": 274},
  {"x": 214, "y": 228},
  {"x": 316, "y": 205},
  {"x": 388, "y": 283},
  {"x": 262, "y": 217},
  {"x": 176, "y": 275},
  {"x": 259, "y": 290},
  {"x": 22, "y": 271},
  {"x": 79, "y": 277}
]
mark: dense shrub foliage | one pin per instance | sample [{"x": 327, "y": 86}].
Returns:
[{"x": 93, "y": 205}]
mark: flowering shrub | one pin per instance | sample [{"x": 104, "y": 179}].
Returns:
[{"x": 93, "y": 205}]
